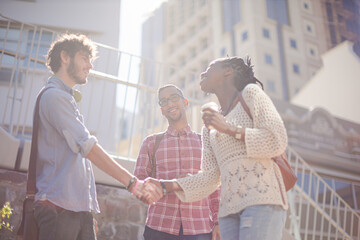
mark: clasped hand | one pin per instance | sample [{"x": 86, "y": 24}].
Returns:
[{"x": 149, "y": 191}]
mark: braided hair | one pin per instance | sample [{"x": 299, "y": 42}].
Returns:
[{"x": 244, "y": 73}]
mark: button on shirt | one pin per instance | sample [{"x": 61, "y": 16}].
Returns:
[
  {"x": 63, "y": 175},
  {"x": 179, "y": 153}
]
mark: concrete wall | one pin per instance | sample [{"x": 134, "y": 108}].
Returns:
[
  {"x": 336, "y": 85},
  {"x": 122, "y": 215}
]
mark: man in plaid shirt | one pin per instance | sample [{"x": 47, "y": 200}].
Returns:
[{"x": 178, "y": 154}]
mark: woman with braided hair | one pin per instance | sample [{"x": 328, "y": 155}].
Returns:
[{"x": 237, "y": 152}]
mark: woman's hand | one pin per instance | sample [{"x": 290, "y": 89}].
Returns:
[{"x": 213, "y": 119}]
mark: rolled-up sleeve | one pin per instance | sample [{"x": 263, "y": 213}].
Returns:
[{"x": 61, "y": 111}]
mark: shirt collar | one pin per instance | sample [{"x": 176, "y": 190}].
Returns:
[
  {"x": 174, "y": 132},
  {"x": 54, "y": 80}
]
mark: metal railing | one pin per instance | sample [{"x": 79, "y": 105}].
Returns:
[
  {"x": 119, "y": 102},
  {"x": 317, "y": 211}
]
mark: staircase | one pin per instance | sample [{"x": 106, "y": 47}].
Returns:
[{"x": 316, "y": 211}]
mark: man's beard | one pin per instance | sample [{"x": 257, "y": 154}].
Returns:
[
  {"x": 72, "y": 70},
  {"x": 176, "y": 119}
]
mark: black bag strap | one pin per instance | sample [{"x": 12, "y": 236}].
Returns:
[
  {"x": 31, "y": 176},
  {"x": 244, "y": 105},
  {"x": 158, "y": 138}
]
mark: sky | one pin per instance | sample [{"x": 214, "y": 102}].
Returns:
[{"x": 133, "y": 14}]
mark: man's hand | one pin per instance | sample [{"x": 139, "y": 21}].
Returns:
[
  {"x": 153, "y": 190},
  {"x": 216, "y": 233},
  {"x": 138, "y": 189}
]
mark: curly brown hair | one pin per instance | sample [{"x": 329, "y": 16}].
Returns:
[{"x": 71, "y": 44}]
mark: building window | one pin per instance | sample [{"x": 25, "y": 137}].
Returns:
[
  {"x": 312, "y": 52},
  {"x": 268, "y": 59},
  {"x": 192, "y": 76},
  {"x": 270, "y": 86},
  {"x": 193, "y": 52},
  {"x": 350, "y": 5},
  {"x": 204, "y": 44},
  {"x": 352, "y": 26},
  {"x": 278, "y": 11},
  {"x": 192, "y": 31},
  {"x": 244, "y": 36},
  {"x": 182, "y": 83},
  {"x": 329, "y": 12},
  {"x": 203, "y": 22},
  {"x": 171, "y": 20},
  {"x": 182, "y": 13},
  {"x": 230, "y": 14},
  {"x": 172, "y": 71},
  {"x": 340, "y": 19},
  {"x": 204, "y": 65},
  {"x": 306, "y": 6},
  {"x": 266, "y": 33},
  {"x": 39, "y": 48},
  {"x": 182, "y": 61},
  {"x": 308, "y": 28},
  {"x": 293, "y": 44},
  {"x": 332, "y": 34},
  {"x": 123, "y": 133},
  {"x": 296, "y": 69},
  {"x": 223, "y": 52},
  {"x": 192, "y": 7}
]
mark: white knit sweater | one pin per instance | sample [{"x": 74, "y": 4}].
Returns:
[{"x": 248, "y": 175}]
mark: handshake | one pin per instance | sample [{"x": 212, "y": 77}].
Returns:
[
  {"x": 152, "y": 190},
  {"x": 148, "y": 191}
]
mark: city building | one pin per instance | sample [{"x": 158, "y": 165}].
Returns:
[
  {"x": 335, "y": 87},
  {"x": 284, "y": 38}
]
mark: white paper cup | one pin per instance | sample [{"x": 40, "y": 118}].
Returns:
[{"x": 210, "y": 105}]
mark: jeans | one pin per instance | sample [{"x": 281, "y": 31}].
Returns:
[
  {"x": 56, "y": 223},
  {"x": 259, "y": 222},
  {"x": 151, "y": 234}
]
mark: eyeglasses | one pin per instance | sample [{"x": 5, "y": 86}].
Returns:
[{"x": 173, "y": 98}]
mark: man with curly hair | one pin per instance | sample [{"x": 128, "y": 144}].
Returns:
[{"x": 66, "y": 196}]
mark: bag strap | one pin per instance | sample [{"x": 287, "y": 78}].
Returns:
[
  {"x": 245, "y": 106},
  {"x": 158, "y": 138},
  {"x": 31, "y": 176}
]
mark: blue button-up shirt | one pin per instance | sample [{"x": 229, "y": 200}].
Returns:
[{"x": 63, "y": 175}]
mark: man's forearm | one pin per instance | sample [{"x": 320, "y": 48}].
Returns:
[{"x": 102, "y": 160}]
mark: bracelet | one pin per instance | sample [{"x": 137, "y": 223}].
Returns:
[
  {"x": 163, "y": 187},
  {"x": 135, "y": 187},
  {"x": 132, "y": 180}
]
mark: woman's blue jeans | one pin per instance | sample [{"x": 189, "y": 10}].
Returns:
[{"x": 259, "y": 222}]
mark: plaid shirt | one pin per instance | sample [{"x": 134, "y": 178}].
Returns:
[{"x": 179, "y": 153}]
